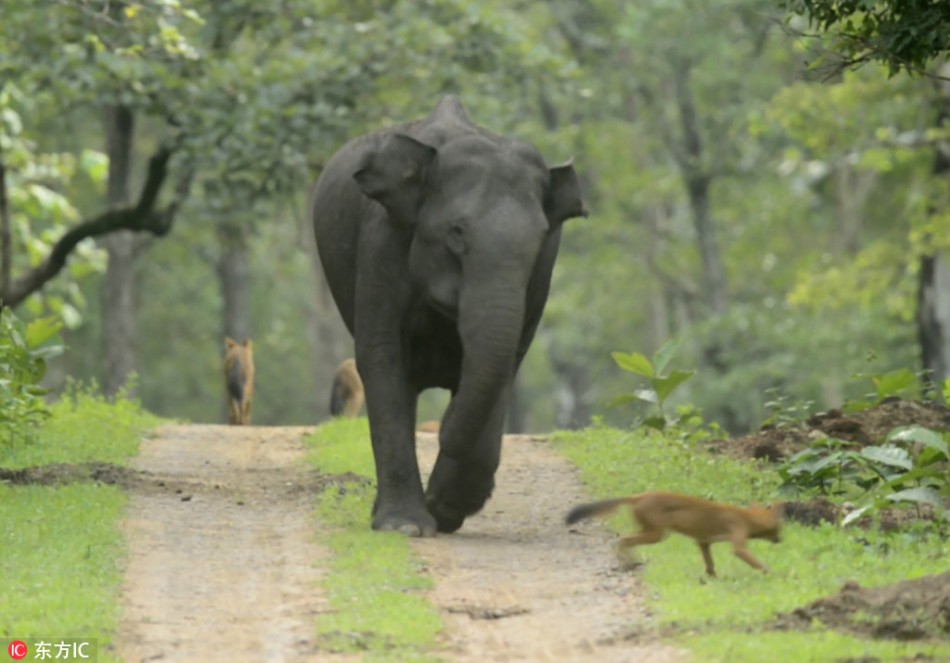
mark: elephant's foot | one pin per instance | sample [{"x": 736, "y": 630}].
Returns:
[
  {"x": 410, "y": 519},
  {"x": 457, "y": 489}
]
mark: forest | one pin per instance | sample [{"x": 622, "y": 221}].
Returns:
[
  {"x": 746, "y": 341},
  {"x": 767, "y": 185}
]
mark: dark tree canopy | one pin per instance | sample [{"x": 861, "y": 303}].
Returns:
[{"x": 903, "y": 34}]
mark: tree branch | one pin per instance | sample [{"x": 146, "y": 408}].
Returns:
[{"x": 142, "y": 217}]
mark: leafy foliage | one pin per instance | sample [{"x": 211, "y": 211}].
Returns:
[
  {"x": 904, "y": 34},
  {"x": 909, "y": 466},
  {"x": 24, "y": 351},
  {"x": 662, "y": 383}
]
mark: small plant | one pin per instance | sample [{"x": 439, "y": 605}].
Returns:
[
  {"x": 900, "y": 382},
  {"x": 910, "y": 466},
  {"x": 782, "y": 411},
  {"x": 24, "y": 349},
  {"x": 662, "y": 384}
]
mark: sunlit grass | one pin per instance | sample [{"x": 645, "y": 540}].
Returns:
[
  {"x": 718, "y": 614},
  {"x": 374, "y": 585}
]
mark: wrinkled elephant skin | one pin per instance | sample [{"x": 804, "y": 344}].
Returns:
[{"x": 438, "y": 239}]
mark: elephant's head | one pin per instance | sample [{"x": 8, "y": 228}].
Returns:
[{"x": 482, "y": 210}]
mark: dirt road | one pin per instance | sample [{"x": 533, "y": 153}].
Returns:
[{"x": 224, "y": 562}]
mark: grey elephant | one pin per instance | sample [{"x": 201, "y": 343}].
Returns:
[{"x": 438, "y": 239}]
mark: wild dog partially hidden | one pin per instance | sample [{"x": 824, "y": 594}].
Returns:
[
  {"x": 239, "y": 380},
  {"x": 346, "y": 396}
]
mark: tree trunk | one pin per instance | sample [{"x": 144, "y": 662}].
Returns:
[
  {"x": 234, "y": 279},
  {"x": 933, "y": 318},
  {"x": 933, "y": 285},
  {"x": 697, "y": 181},
  {"x": 6, "y": 238},
  {"x": 118, "y": 288},
  {"x": 573, "y": 395}
]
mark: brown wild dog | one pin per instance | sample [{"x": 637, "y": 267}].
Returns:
[
  {"x": 239, "y": 380},
  {"x": 706, "y": 522},
  {"x": 346, "y": 397}
]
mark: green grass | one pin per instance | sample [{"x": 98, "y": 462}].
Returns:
[
  {"x": 83, "y": 428},
  {"x": 714, "y": 617},
  {"x": 61, "y": 546},
  {"x": 58, "y": 561},
  {"x": 374, "y": 586}
]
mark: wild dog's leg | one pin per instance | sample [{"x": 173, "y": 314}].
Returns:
[
  {"x": 740, "y": 550},
  {"x": 707, "y": 557}
]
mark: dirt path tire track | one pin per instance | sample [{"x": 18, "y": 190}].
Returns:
[
  {"x": 224, "y": 561},
  {"x": 515, "y": 584},
  {"x": 223, "y": 556}
]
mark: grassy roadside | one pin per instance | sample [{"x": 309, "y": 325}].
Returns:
[
  {"x": 60, "y": 546},
  {"x": 374, "y": 586},
  {"x": 725, "y": 620}
]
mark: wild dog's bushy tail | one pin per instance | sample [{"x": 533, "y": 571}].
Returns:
[{"x": 583, "y": 511}]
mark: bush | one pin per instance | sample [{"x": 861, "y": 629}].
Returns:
[{"x": 24, "y": 349}]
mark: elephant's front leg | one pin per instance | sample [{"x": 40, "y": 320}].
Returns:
[
  {"x": 463, "y": 477},
  {"x": 391, "y": 403}
]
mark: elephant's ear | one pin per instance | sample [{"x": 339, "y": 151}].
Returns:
[
  {"x": 395, "y": 175},
  {"x": 563, "y": 200}
]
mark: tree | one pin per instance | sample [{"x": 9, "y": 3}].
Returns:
[
  {"x": 904, "y": 36},
  {"x": 901, "y": 34}
]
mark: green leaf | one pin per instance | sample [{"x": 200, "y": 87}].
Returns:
[
  {"x": 41, "y": 330},
  {"x": 919, "y": 495},
  {"x": 634, "y": 362},
  {"x": 656, "y": 422},
  {"x": 623, "y": 399},
  {"x": 854, "y": 515},
  {"x": 647, "y": 395},
  {"x": 662, "y": 356},
  {"x": 919, "y": 435},
  {"x": 888, "y": 455},
  {"x": 665, "y": 386},
  {"x": 890, "y": 384}
]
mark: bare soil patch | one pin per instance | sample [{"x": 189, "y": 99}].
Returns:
[
  {"x": 910, "y": 610},
  {"x": 775, "y": 443}
]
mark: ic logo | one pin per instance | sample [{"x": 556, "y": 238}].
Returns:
[{"x": 17, "y": 650}]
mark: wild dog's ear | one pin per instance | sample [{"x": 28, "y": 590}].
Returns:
[
  {"x": 563, "y": 198},
  {"x": 395, "y": 176},
  {"x": 229, "y": 343},
  {"x": 247, "y": 342}
]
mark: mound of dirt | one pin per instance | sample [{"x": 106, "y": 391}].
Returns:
[
  {"x": 910, "y": 610},
  {"x": 776, "y": 443}
]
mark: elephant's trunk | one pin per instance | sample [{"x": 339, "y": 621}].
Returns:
[{"x": 490, "y": 326}]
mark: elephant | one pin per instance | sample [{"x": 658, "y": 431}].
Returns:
[{"x": 438, "y": 239}]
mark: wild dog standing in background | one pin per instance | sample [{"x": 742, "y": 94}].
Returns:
[
  {"x": 346, "y": 397},
  {"x": 239, "y": 380}
]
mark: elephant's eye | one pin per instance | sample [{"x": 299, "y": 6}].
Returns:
[{"x": 455, "y": 239}]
